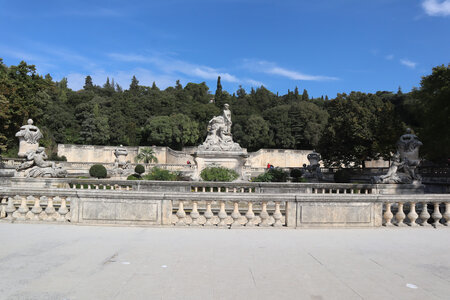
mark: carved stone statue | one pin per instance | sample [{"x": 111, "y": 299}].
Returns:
[
  {"x": 219, "y": 136},
  {"x": 404, "y": 162},
  {"x": 313, "y": 170},
  {"x": 121, "y": 166},
  {"x": 29, "y": 136},
  {"x": 36, "y": 166}
]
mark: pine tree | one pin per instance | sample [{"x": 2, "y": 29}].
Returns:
[
  {"x": 88, "y": 85},
  {"x": 305, "y": 95},
  {"x": 134, "y": 86}
]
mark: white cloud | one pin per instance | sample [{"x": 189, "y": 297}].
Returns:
[
  {"x": 408, "y": 63},
  {"x": 171, "y": 66},
  {"x": 436, "y": 8},
  {"x": 389, "y": 57},
  {"x": 272, "y": 68}
]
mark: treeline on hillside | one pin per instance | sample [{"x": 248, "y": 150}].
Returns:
[{"x": 348, "y": 129}]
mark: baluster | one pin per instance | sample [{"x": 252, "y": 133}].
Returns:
[
  {"x": 23, "y": 210},
  {"x": 37, "y": 209},
  {"x": 194, "y": 214},
  {"x": 387, "y": 216},
  {"x": 104, "y": 186},
  {"x": 236, "y": 215},
  {"x": 277, "y": 215},
  {"x": 204, "y": 189},
  {"x": 181, "y": 214},
  {"x": 447, "y": 213},
  {"x": 62, "y": 211},
  {"x": 227, "y": 190},
  {"x": 128, "y": 188},
  {"x": 352, "y": 191},
  {"x": 10, "y": 209},
  {"x": 250, "y": 190},
  {"x": 222, "y": 215},
  {"x": 250, "y": 215},
  {"x": 3, "y": 206},
  {"x": 242, "y": 190},
  {"x": 89, "y": 187},
  {"x": 196, "y": 189},
  {"x": 436, "y": 215},
  {"x": 96, "y": 186},
  {"x": 234, "y": 190},
  {"x": 74, "y": 186},
  {"x": 208, "y": 214},
  {"x": 264, "y": 215},
  {"x": 412, "y": 216},
  {"x": 50, "y": 209},
  {"x": 400, "y": 215},
  {"x": 424, "y": 215}
]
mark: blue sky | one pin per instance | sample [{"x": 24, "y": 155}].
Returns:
[{"x": 324, "y": 46}]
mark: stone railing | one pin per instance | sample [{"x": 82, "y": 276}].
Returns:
[
  {"x": 35, "y": 208},
  {"x": 414, "y": 211},
  {"x": 259, "y": 208}
]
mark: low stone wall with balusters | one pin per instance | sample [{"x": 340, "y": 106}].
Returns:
[{"x": 215, "y": 204}]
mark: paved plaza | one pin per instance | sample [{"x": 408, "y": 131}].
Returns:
[{"x": 41, "y": 261}]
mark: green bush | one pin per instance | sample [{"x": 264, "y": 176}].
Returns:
[
  {"x": 98, "y": 171},
  {"x": 134, "y": 177},
  {"x": 272, "y": 175},
  {"x": 296, "y": 175},
  {"x": 55, "y": 157},
  {"x": 163, "y": 175},
  {"x": 342, "y": 176},
  {"x": 218, "y": 174},
  {"x": 139, "y": 169}
]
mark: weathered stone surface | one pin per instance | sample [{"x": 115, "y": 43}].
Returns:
[
  {"x": 29, "y": 136},
  {"x": 404, "y": 162},
  {"x": 36, "y": 166},
  {"x": 219, "y": 136},
  {"x": 336, "y": 214}
]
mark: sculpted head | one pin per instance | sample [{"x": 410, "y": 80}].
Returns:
[
  {"x": 226, "y": 105},
  {"x": 40, "y": 149},
  {"x": 30, "y": 122}
]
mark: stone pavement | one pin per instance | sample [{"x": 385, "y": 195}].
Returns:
[{"x": 41, "y": 261}]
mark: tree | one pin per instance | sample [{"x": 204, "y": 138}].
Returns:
[
  {"x": 146, "y": 155},
  {"x": 305, "y": 95},
  {"x": 253, "y": 134},
  {"x": 134, "y": 85},
  {"x": 280, "y": 126},
  {"x": 307, "y": 122},
  {"x": 360, "y": 128},
  {"x": 88, "y": 85},
  {"x": 434, "y": 97}
]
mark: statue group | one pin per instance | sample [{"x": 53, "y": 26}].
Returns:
[
  {"x": 404, "y": 161},
  {"x": 35, "y": 164},
  {"x": 219, "y": 136}
]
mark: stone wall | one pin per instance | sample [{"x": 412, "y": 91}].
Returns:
[
  {"x": 284, "y": 158},
  {"x": 218, "y": 204}
]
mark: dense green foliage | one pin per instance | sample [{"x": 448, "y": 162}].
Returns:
[
  {"x": 98, "y": 171},
  {"x": 139, "y": 169},
  {"x": 218, "y": 174},
  {"x": 272, "y": 175},
  {"x": 345, "y": 130},
  {"x": 161, "y": 174},
  {"x": 342, "y": 176}
]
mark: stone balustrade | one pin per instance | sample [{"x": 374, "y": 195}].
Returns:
[
  {"x": 417, "y": 212},
  {"x": 167, "y": 206},
  {"x": 35, "y": 208},
  {"x": 234, "y": 214}
]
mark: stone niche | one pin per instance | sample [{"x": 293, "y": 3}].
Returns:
[{"x": 236, "y": 161}]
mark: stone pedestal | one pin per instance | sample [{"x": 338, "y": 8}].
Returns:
[
  {"x": 227, "y": 159},
  {"x": 25, "y": 147}
]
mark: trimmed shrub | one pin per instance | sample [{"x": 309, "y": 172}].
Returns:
[
  {"x": 272, "y": 175},
  {"x": 296, "y": 175},
  {"x": 139, "y": 169},
  {"x": 218, "y": 174},
  {"x": 342, "y": 176},
  {"x": 134, "y": 177},
  {"x": 98, "y": 171},
  {"x": 163, "y": 175}
]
